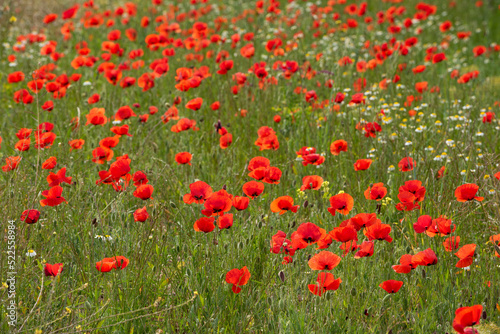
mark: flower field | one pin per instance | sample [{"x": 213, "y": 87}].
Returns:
[{"x": 265, "y": 166}]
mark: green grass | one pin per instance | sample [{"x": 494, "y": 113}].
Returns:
[{"x": 175, "y": 281}]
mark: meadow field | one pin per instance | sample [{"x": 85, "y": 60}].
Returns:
[{"x": 209, "y": 166}]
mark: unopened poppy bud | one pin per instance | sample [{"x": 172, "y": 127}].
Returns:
[
  {"x": 306, "y": 203},
  {"x": 282, "y": 277}
]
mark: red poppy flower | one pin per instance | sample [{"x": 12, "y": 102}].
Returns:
[
  {"x": 451, "y": 243},
  {"x": 313, "y": 159},
  {"x": 121, "y": 262},
  {"x": 344, "y": 234},
  {"x": 30, "y": 216},
  {"x": 144, "y": 191},
  {"x": 140, "y": 178},
  {"x": 324, "y": 260},
  {"x": 124, "y": 112},
  {"x": 358, "y": 98},
  {"x": 341, "y": 203},
  {"x": 421, "y": 86},
  {"x": 96, "y": 117},
  {"x": 105, "y": 265},
  {"x": 225, "y": 141},
  {"x": 50, "y": 163},
  {"x": 225, "y": 221},
  {"x": 365, "y": 250},
  {"x": 102, "y": 154},
  {"x": 141, "y": 215},
  {"x": 406, "y": 264},
  {"x": 338, "y": 146},
  {"x": 305, "y": 150},
  {"x": 378, "y": 231},
  {"x": 11, "y": 163},
  {"x": 218, "y": 203},
  {"x": 279, "y": 244},
  {"x": 195, "y": 104},
  {"x": 225, "y": 66},
  {"x": 121, "y": 130},
  {"x": 466, "y": 317},
  {"x": 58, "y": 178},
  {"x": 441, "y": 226},
  {"x": 258, "y": 162},
  {"x": 466, "y": 255},
  {"x": 422, "y": 224},
  {"x": 406, "y": 164},
  {"x": 204, "y": 224},
  {"x": 215, "y": 105},
  {"x": 408, "y": 201},
  {"x": 53, "y": 269},
  {"x": 48, "y": 106},
  {"x": 119, "y": 168},
  {"x": 375, "y": 192},
  {"x": 267, "y": 139},
  {"x": 15, "y": 77},
  {"x": 414, "y": 187},
  {"x": 362, "y": 220},
  {"x": 70, "y": 13},
  {"x": 283, "y": 204},
  {"x": 200, "y": 191},
  {"x": 240, "y": 202},
  {"x": 425, "y": 258},
  {"x": 238, "y": 278},
  {"x": 23, "y": 145},
  {"x": 313, "y": 182},
  {"x": 183, "y": 158},
  {"x": 273, "y": 175},
  {"x": 391, "y": 286},
  {"x": 306, "y": 234},
  {"x": 362, "y": 164},
  {"x": 76, "y": 144},
  {"x": 253, "y": 189},
  {"x": 184, "y": 124},
  {"x": 23, "y": 133},
  {"x": 109, "y": 263},
  {"x": 52, "y": 197},
  {"x": 109, "y": 142},
  {"x": 325, "y": 282},
  {"x": 467, "y": 192},
  {"x": 44, "y": 139},
  {"x": 259, "y": 173}
]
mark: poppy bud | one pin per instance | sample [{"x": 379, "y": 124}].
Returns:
[
  {"x": 282, "y": 277},
  {"x": 306, "y": 203},
  {"x": 136, "y": 105},
  {"x": 94, "y": 221},
  {"x": 218, "y": 126},
  {"x": 224, "y": 187}
]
